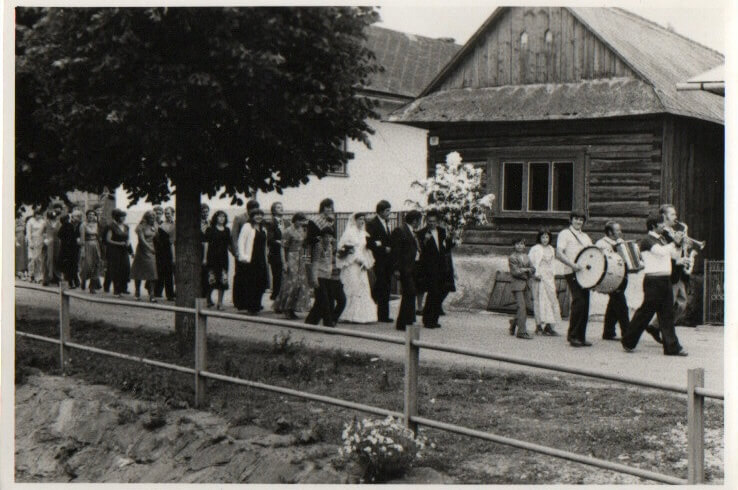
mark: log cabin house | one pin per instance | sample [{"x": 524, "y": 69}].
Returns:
[{"x": 578, "y": 108}]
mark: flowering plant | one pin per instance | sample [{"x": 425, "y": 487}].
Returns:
[
  {"x": 383, "y": 448},
  {"x": 457, "y": 192}
]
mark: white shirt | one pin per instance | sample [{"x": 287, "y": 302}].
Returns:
[
  {"x": 657, "y": 259},
  {"x": 569, "y": 243},
  {"x": 606, "y": 244},
  {"x": 417, "y": 244},
  {"x": 434, "y": 233}
]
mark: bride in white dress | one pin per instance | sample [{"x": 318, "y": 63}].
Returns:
[{"x": 360, "y": 307}]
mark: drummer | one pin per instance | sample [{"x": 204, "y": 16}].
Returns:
[
  {"x": 617, "y": 305},
  {"x": 569, "y": 243}
]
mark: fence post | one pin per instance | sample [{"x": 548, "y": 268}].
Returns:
[
  {"x": 704, "y": 292},
  {"x": 695, "y": 427},
  {"x": 65, "y": 333},
  {"x": 201, "y": 351},
  {"x": 412, "y": 358}
]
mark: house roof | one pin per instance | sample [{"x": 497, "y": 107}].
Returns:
[
  {"x": 660, "y": 57},
  {"x": 410, "y": 62},
  {"x": 533, "y": 102}
]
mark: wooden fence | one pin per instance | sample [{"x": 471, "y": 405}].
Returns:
[{"x": 695, "y": 390}]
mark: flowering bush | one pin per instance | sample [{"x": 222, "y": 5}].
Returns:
[
  {"x": 384, "y": 449},
  {"x": 457, "y": 192}
]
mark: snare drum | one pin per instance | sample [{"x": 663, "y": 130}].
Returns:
[
  {"x": 631, "y": 254},
  {"x": 601, "y": 271}
]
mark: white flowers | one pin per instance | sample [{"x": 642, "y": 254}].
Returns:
[
  {"x": 456, "y": 191},
  {"x": 382, "y": 447}
]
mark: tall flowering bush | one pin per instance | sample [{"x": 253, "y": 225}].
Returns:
[
  {"x": 384, "y": 449},
  {"x": 457, "y": 192}
]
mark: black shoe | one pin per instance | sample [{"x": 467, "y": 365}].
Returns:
[
  {"x": 525, "y": 335},
  {"x": 586, "y": 344},
  {"x": 387, "y": 320},
  {"x": 548, "y": 330},
  {"x": 539, "y": 330},
  {"x": 614, "y": 337},
  {"x": 437, "y": 325},
  {"x": 681, "y": 353},
  {"x": 403, "y": 328},
  {"x": 655, "y": 333},
  {"x": 576, "y": 343},
  {"x": 628, "y": 350}
]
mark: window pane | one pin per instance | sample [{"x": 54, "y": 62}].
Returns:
[
  {"x": 513, "y": 186},
  {"x": 563, "y": 188},
  {"x": 538, "y": 186}
]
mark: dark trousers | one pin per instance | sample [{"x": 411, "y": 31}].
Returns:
[
  {"x": 323, "y": 304},
  {"x": 521, "y": 313},
  {"x": 276, "y": 266},
  {"x": 616, "y": 312},
  {"x": 658, "y": 299},
  {"x": 432, "y": 307},
  {"x": 70, "y": 272},
  {"x": 381, "y": 291},
  {"x": 579, "y": 313},
  {"x": 406, "y": 315},
  {"x": 165, "y": 281}
]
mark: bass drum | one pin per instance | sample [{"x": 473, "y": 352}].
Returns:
[{"x": 601, "y": 271}]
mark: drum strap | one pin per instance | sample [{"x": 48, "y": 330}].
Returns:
[{"x": 576, "y": 237}]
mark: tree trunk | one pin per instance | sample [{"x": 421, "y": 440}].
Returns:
[{"x": 188, "y": 259}]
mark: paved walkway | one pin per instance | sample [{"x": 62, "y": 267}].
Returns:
[{"x": 476, "y": 330}]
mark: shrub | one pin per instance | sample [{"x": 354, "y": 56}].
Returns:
[{"x": 383, "y": 449}]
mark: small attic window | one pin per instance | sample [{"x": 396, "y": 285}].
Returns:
[
  {"x": 524, "y": 40},
  {"x": 548, "y": 38}
]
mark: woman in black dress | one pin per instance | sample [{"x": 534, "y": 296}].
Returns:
[
  {"x": 251, "y": 278},
  {"x": 217, "y": 242},
  {"x": 118, "y": 249}
]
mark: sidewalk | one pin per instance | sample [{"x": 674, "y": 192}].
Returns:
[{"x": 478, "y": 330}]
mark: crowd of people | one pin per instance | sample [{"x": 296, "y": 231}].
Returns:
[
  {"x": 349, "y": 277},
  {"x": 664, "y": 284},
  {"x": 303, "y": 261}
]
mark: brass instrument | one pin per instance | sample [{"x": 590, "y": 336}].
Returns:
[{"x": 689, "y": 247}]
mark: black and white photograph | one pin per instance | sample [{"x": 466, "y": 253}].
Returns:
[{"x": 403, "y": 243}]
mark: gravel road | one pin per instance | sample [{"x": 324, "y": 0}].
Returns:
[{"x": 478, "y": 330}]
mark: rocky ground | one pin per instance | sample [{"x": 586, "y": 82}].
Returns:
[{"x": 70, "y": 431}]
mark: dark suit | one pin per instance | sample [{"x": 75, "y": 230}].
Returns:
[
  {"x": 274, "y": 241},
  {"x": 433, "y": 272},
  {"x": 378, "y": 242},
  {"x": 404, "y": 251}
]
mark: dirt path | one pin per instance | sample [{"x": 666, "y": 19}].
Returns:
[{"x": 473, "y": 330}]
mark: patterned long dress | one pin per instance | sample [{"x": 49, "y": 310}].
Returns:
[
  {"x": 294, "y": 294},
  {"x": 91, "y": 266},
  {"x": 35, "y": 237},
  {"x": 545, "y": 302}
]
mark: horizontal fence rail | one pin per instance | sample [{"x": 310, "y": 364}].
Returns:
[{"x": 695, "y": 391}]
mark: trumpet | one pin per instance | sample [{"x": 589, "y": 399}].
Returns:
[{"x": 689, "y": 248}]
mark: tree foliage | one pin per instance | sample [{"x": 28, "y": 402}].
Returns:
[{"x": 233, "y": 98}]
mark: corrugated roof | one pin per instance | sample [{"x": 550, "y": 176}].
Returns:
[
  {"x": 410, "y": 62},
  {"x": 534, "y": 102},
  {"x": 662, "y": 57}
]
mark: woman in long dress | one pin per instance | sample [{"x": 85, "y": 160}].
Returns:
[
  {"x": 144, "y": 262},
  {"x": 354, "y": 260},
  {"x": 251, "y": 280},
  {"x": 218, "y": 239},
  {"x": 90, "y": 253},
  {"x": 294, "y": 295},
  {"x": 51, "y": 248},
  {"x": 545, "y": 301},
  {"x": 35, "y": 240},
  {"x": 118, "y": 250},
  {"x": 20, "y": 245},
  {"x": 164, "y": 244}
]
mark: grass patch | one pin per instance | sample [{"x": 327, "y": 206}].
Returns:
[{"x": 607, "y": 421}]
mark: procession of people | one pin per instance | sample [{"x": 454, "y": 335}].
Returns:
[{"x": 349, "y": 277}]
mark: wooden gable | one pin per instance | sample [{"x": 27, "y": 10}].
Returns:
[{"x": 529, "y": 45}]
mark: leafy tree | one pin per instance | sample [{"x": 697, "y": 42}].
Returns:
[{"x": 238, "y": 99}]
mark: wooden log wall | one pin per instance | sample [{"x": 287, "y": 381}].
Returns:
[
  {"x": 622, "y": 164},
  {"x": 557, "y": 48}
]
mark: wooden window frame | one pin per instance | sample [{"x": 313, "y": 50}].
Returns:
[
  {"x": 343, "y": 172},
  {"x": 551, "y": 155}
]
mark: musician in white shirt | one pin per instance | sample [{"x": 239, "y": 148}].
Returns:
[
  {"x": 657, "y": 292},
  {"x": 568, "y": 245}
]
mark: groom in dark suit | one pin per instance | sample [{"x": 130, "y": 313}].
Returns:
[
  {"x": 379, "y": 243},
  {"x": 434, "y": 246},
  {"x": 405, "y": 250}
]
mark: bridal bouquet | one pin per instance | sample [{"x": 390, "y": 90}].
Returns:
[{"x": 345, "y": 251}]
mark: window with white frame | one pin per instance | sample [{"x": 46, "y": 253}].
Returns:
[{"x": 537, "y": 185}]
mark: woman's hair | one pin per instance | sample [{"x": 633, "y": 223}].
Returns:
[
  {"x": 169, "y": 208},
  {"x": 298, "y": 217},
  {"x": 541, "y": 232},
  {"x": 325, "y": 203},
  {"x": 255, "y": 211},
  {"x": 146, "y": 215},
  {"x": 274, "y": 206},
  {"x": 359, "y": 215},
  {"x": 118, "y": 213},
  {"x": 214, "y": 219},
  {"x": 517, "y": 240},
  {"x": 158, "y": 208},
  {"x": 90, "y": 212}
]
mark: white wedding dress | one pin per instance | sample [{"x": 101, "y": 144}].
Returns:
[{"x": 360, "y": 307}]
